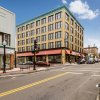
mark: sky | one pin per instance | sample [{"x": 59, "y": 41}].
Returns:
[{"x": 87, "y": 12}]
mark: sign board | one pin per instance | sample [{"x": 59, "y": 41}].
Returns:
[{"x": 8, "y": 51}]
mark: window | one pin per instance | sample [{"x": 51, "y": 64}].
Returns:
[
  {"x": 50, "y": 27},
  {"x": 43, "y": 29},
  {"x": 80, "y": 43},
  {"x": 66, "y": 44},
  {"x": 23, "y": 28},
  {"x": 58, "y": 35},
  {"x": 75, "y": 41},
  {"x": 27, "y": 33},
  {"x": 38, "y": 23},
  {"x": 75, "y": 33},
  {"x": 19, "y": 49},
  {"x": 18, "y": 30},
  {"x": 67, "y": 17},
  {"x": 75, "y": 26},
  {"x": 19, "y": 36},
  {"x": 38, "y": 38},
  {"x": 43, "y": 38},
  {"x": 57, "y": 44},
  {"x": 67, "y": 26},
  {"x": 71, "y": 46},
  {"x": 27, "y": 26},
  {"x": 23, "y": 49},
  {"x": 50, "y": 45},
  {"x": 50, "y": 36},
  {"x": 27, "y": 41},
  {"x": 32, "y": 25},
  {"x": 58, "y": 25},
  {"x": 32, "y": 40},
  {"x": 28, "y": 48},
  {"x": 58, "y": 15},
  {"x": 23, "y": 42},
  {"x": 19, "y": 43},
  {"x": 23, "y": 35},
  {"x": 75, "y": 48},
  {"x": 7, "y": 38},
  {"x": 38, "y": 31},
  {"x": 71, "y": 38},
  {"x": 32, "y": 32},
  {"x": 50, "y": 18},
  {"x": 44, "y": 46},
  {"x": 72, "y": 30},
  {"x": 72, "y": 22},
  {"x": 82, "y": 31},
  {"x": 66, "y": 35},
  {"x": 43, "y": 21}
]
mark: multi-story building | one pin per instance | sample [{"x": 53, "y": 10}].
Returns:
[
  {"x": 7, "y": 34},
  {"x": 58, "y": 32},
  {"x": 91, "y": 51}
]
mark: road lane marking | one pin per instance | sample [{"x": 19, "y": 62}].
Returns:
[{"x": 32, "y": 84}]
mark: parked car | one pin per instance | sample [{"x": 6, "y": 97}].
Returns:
[
  {"x": 42, "y": 63},
  {"x": 29, "y": 63},
  {"x": 90, "y": 61},
  {"x": 82, "y": 61}
]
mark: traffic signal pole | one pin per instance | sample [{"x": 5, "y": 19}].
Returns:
[
  {"x": 34, "y": 52},
  {"x": 34, "y": 68}
]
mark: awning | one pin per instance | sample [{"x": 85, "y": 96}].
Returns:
[
  {"x": 46, "y": 52},
  {"x": 24, "y": 54},
  {"x": 49, "y": 52},
  {"x": 73, "y": 53},
  {"x": 67, "y": 51}
]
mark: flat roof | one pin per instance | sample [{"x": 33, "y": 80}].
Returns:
[
  {"x": 7, "y": 10},
  {"x": 48, "y": 13}
]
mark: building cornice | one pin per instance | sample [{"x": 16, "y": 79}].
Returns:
[{"x": 26, "y": 22}]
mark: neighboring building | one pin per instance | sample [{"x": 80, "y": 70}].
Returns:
[
  {"x": 7, "y": 33},
  {"x": 91, "y": 51},
  {"x": 57, "y": 32}
]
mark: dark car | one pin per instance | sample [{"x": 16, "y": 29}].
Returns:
[
  {"x": 29, "y": 63},
  {"x": 42, "y": 63}
]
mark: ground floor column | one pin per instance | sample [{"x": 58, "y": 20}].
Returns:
[
  {"x": 63, "y": 57},
  {"x": 47, "y": 59},
  {"x": 11, "y": 61}
]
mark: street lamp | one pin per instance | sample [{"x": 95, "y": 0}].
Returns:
[{"x": 4, "y": 57}]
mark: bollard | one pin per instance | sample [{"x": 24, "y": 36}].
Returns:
[{"x": 98, "y": 96}]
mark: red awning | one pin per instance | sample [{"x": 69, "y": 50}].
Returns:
[
  {"x": 47, "y": 52},
  {"x": 67, "y": 51},
  {"x": 24, "y": 54},
  {"x": 73, "y": 53}
]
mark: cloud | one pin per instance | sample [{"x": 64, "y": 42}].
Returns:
[
  {"x": 83, "y": 10},
  {"x": 92, "y": 42},
  {"x": 64, "y": 1}
]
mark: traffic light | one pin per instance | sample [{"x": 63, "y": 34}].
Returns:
[{"x": 35, "y": 44}]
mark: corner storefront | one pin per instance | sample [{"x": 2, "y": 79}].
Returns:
[{"x": 9, "y": 57}]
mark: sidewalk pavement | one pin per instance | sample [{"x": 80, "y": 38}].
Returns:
[
  {"x": 70, "y": 64},
  {"x": 25, "y": 71}
]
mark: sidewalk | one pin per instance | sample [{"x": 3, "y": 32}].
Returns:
[
  {"x": 25, "y": 71},
  {"x": 71, "y": 64}
]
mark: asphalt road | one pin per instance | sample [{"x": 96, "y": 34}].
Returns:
[{"x": 58, "y": 83}]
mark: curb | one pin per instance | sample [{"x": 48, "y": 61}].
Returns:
[{"x": 21, "y": 72}]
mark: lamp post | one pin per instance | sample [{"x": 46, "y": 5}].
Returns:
[
  {"x": 4, "y": 58},
  {"x": 15, "y": 60}
]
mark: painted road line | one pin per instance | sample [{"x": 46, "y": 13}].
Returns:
[{"x": 32, "y": 84}]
